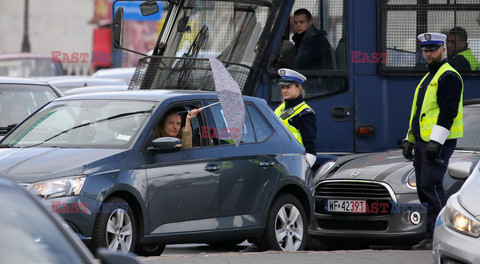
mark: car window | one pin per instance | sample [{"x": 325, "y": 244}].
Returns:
[
  {"x": 221, "y": 132},
  {"x": 198, "y": 133},
  {"x": 262, "y": 129},
  {"x": 19, "y": 101},
  {"x": 29, "y": 235},
  {"x": 83, "y": 123}
]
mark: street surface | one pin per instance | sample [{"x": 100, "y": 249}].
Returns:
[{"x": 204, "y": 254}]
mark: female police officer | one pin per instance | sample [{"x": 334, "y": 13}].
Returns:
[{"x": 297, "y": 116}]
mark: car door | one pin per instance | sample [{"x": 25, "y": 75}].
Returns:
[
  {"x": 184, "y": 186},
  {"x": 249, "y": 172}
]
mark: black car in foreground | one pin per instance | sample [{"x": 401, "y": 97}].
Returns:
[
  {"x": 372, "y": 198},
  {"x": 94, "y": 159}
]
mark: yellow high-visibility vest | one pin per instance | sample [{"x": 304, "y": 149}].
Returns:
[
  {"x": 471, "y": 58},
  {"x": 296, "y": 110},
  {"x": 430, "y": 110}
]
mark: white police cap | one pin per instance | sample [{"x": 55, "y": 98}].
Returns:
[
  {"x": 290, "y": 77},
  {"x": 432, "y": 41}
]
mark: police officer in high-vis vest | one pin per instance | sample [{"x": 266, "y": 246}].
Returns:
[
  {"x": 435, "y": 124},
  {"x": 459, "y": 55},
  {"x": 297, "y": 116}
]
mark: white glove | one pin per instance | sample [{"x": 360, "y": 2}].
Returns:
[{"x": 311, "y": 159}]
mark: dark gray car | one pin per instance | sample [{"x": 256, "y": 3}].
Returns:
[
  {"x": 94, "y": 160},
  {"x": 372, "y": 198}
]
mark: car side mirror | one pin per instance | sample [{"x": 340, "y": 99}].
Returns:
[
  {"x": 284, "y": 56},
  {"x": 460, "y": 170},
  {"x": 113, "y": 257},
  {"x": 166, "y": 144},
  {"x": 117, "y": 28},
  {"x": 149, "y": 7}
]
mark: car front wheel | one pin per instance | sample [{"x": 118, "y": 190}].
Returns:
[
  {"x": 287, "y": 225},
  {"x": 115, "y": 226}
]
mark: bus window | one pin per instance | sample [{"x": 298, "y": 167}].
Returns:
[
  {"x": 401, "y": 21},
  {"x": 320, "y": 47}
]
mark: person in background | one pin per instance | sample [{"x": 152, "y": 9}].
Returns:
[
  {"x": 312, "y": 49},
  {"x": 171, "y": 123},
  {"x": 297, "y": 116},
  {"x": 436, "y": 121},
  {"x": 459, "y": 54}
]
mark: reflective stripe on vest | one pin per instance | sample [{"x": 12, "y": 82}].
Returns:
[
  {"x": 297, "y": 109},
  {"x": 430, "y": 110},
  {"x": 471, "y": 58}
]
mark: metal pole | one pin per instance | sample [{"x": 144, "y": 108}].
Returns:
[{"x": 26, "y": 41}]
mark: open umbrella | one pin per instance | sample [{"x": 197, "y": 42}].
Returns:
[{"x": 230, "y": 98}]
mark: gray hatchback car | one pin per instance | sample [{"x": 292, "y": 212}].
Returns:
[{"x": 94, "y": 160}]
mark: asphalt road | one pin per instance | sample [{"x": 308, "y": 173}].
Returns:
[{"x": 204, "y": 254}]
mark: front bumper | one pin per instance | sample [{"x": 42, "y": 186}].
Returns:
[
  {"x": 453, "y": 246},
  {"x": 78, "y": 212},
  {"x": 394, "y": 226}
]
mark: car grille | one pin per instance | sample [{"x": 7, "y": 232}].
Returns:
[
  {"x": 336, "y": 224},
  {"x": 352, "y": 189}
]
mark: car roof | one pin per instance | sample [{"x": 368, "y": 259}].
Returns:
[
  {"x": 21, "y": 55},
  {"x": 151, "y": 95},
  {"x": 15, "y": 80},
  {"x": 97, "y": 89}
]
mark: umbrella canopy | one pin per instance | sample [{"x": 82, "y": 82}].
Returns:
[{"x": 230, "y": 98}]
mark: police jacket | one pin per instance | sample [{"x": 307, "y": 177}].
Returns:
[
  {"x": 305, "y": 123},
  {"x": 449, "y": 95}
]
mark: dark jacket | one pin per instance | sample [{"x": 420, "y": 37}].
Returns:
[
  {"x": 448, "y": 97},
  {"x": 305, "y": 123},
  {"x": 312, "y": 50}
]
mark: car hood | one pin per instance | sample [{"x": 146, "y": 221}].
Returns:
[
  {"x": 390, "y": 167},
  {"x": 28, "y": 165},
  {"x": 469, "y": 195}
]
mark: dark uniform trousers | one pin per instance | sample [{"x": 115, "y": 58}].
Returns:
[{"x": 429, "y": 178}]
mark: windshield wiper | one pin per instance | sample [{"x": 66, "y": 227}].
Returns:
[{"x": 90, "y": 123}]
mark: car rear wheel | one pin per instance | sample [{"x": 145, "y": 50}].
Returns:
[
  {"x": 115, "y": 227},
  {"x": 286, "y": 227},
  {"x": 150, "y": 249}
]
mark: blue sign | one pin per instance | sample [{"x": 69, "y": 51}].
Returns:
[{"x": 131, "y": 11}]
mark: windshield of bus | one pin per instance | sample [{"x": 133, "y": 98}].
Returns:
[{"x": 228, "y": 31}]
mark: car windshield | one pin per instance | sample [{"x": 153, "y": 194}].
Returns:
[
  {"x": 83, "y": 124},
  {"x": 228, "y": 31},
  {"x": 471, "y": 129},
  {"x": 29, "y": 235},
  {"x": 30, "y": 67},
  {"x": 17, "y": 101}
]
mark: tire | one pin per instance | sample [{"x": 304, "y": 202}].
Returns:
[
  {"x": 118, "y": 236},
  {"x": 288, "y": 218},
  {"x": 150, "y": 250}
]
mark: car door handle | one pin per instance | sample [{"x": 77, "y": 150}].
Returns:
[
  {"x": 211, "y": 167},
  {"x": 265, "y": 164}
]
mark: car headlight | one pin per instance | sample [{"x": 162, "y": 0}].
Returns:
[
  {"x": 460, "y": 220},
  {"x": 324, "y": 169},
  {"x": 58, "y": 187},
  {"x": 412, "y": 180}
]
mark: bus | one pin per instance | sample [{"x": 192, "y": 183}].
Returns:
[{"x": 362, "y": 97}]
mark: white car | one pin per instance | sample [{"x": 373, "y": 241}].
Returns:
[
  {"x": 64, "y": 83},
  {"x": 97, "y": 89},
  {"x": 125, "y": 74}
]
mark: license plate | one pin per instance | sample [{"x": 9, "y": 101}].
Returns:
[{"x": 348, "y": 206}]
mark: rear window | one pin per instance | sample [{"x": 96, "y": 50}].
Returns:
[{"x": 17, "y": 101}]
